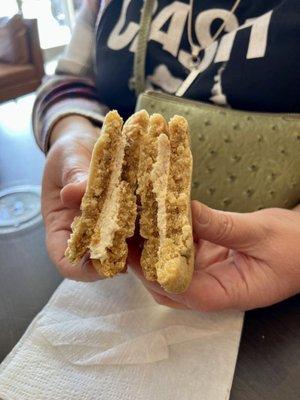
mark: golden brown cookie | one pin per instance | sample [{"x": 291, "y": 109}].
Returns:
[
  {"x": 108, "y": 208},
  {"x": 164, "y": 179},
  {"x": 145, "y": 161}
]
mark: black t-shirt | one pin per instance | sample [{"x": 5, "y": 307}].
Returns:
[{"x": 254, "y": 64}]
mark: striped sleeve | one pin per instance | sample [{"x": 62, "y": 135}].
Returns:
[{"x": 72, "y": 89}]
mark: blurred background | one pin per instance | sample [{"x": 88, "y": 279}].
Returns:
[
  {"x": 33, "y": 33},
  {"x": 55, "y": 19}
]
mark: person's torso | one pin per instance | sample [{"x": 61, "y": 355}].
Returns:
[{"x": 254, "y": 63}]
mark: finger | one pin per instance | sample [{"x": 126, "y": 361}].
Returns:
[
  {"x": 71, "y": 195},
  {"x": 157, "y": 292},
  {"x": 74, "y": 178},
  {"x": 152, "y": 286},
  {"x": 209, "y": 290},
  {"x": 233, "y": 230},
  {"x": 56, "y": 244},
  {"x": 240, "y": 282},
  {"x": 75, "y": 174},
  {"x": 67, "y": 163},
  {"x": 205, "y": 293},
  {"x": 207, "y": 253},
  {"x": 84, "y": 271},
  {"x": 135, "y": 245},
  {"x": 165, "y": 301},
  {"x": 218, "y": 287}
]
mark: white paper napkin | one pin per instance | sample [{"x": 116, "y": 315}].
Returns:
[{"x": 109, "y": 340}]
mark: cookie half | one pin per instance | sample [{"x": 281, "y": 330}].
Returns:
[
  {"x": 164, "y": 179},
  {"x": 108, "y": 208}
]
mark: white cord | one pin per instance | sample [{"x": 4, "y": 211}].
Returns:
[{"x": 195, "y": 50}]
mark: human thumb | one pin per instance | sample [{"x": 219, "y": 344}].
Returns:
[
  {"x": 74, "y": 187},
  {"x": 232, "y": 230}
]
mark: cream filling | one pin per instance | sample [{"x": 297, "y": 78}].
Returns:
[
  {"x": 159, "y": 176},
  {"x": 107, "y": 223}
]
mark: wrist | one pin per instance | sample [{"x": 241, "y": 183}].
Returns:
[{"x": 71, "y": 125}]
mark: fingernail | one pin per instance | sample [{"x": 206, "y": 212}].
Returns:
[
  {"x": 202, "y": 214},
  {"x": 94, "y": 271}
]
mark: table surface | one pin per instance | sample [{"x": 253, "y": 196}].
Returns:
[{"x": 268, "y": 365}]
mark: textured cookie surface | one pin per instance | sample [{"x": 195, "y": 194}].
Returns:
[
  {"x": 149, "y": 205},
  {"x": 176, "y": 253},
  {"x": 99, "y": 177},
  {"x": 109, "y": 205},
  {"x": 147, "y": 162},
  {"x": 164, "y": 188}
]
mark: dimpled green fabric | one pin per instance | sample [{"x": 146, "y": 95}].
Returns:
[{"x": 242, "y": 161}]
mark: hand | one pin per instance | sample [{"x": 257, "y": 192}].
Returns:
[
  {"x": 242, "y": 261},
  {"x": 64, "y": 184}
]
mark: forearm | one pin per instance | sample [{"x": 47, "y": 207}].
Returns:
[{"x": 71, "y": 91}]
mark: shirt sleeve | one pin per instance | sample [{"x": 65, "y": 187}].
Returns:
[{"x": 71, "y": 90}]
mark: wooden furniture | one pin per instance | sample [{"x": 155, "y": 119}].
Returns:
[{"x": 20, "y": 79}]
